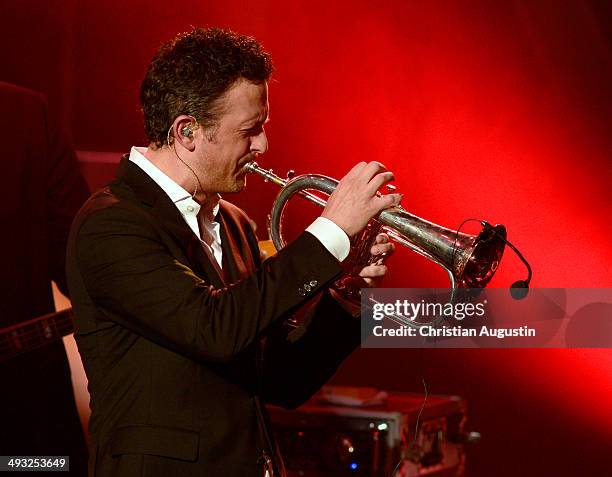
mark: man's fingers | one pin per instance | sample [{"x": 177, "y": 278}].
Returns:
[
  {"x": 369, "y": 282},
  {"x": 379, "y": 180},
  {"x": 368, "y": 169},
  {"x": 385, "y": 201},
  {"x": 373, "y": 271},
  {"x": 381, "y": 248},
  {"x": 372, "y": 169},
  {"x": 382, "y": 238},
  {"x": 356, "y": 169}
]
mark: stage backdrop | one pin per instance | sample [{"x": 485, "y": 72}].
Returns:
[{"x": 498, "y": 110}]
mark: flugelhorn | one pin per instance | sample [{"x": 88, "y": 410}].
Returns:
[{"x": 469, "y": 260}]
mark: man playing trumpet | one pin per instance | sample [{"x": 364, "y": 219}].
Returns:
[{"x": 179, "y": 325}]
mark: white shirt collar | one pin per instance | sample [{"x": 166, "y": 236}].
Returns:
[{"x": 181, "y": 198}]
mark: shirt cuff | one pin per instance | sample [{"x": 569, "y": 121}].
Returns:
[{"x": 333, "y": 238}]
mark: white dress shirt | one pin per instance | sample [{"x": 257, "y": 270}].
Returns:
[{"x": 333, "y": 238}]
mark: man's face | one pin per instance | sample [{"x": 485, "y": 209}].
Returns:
[{"x": 237, "y": 139}]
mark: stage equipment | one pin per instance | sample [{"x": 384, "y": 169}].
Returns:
[
  {"x": 320, "y": 440},
  {"x": 469, "y": 260}
]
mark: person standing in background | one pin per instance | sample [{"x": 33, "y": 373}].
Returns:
[{"x": 42, "y": 190}]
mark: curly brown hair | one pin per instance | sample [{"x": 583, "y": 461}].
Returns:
[{"x": 189, "y": 73}]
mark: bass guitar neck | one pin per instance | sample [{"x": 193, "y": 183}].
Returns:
[{"x": 35, "y": 333}]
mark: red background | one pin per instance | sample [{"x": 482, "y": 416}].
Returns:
[{"x": 484, "y": 109}]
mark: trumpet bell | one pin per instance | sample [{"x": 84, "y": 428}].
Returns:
[
  {"x": 469, "y": 260},
  {"x": 478, "y": 262}
]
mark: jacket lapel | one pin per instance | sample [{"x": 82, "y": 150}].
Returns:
[
  {"x": 234, "y": 267},
  {"x": 237, "y": 258},
  {"x": 169, "y": 218}
]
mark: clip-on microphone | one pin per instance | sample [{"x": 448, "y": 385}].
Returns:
[{"x": 520, "y": 288}]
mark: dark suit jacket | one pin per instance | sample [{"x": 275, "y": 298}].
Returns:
[{"x": 170, "y": 346}]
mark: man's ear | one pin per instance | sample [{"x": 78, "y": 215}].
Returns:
[{"x": 182, "y": 130}]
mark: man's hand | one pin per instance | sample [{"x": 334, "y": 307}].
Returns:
[
  {"x": 374, "y": 273},
  {"x": 355, "y": 200}
]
